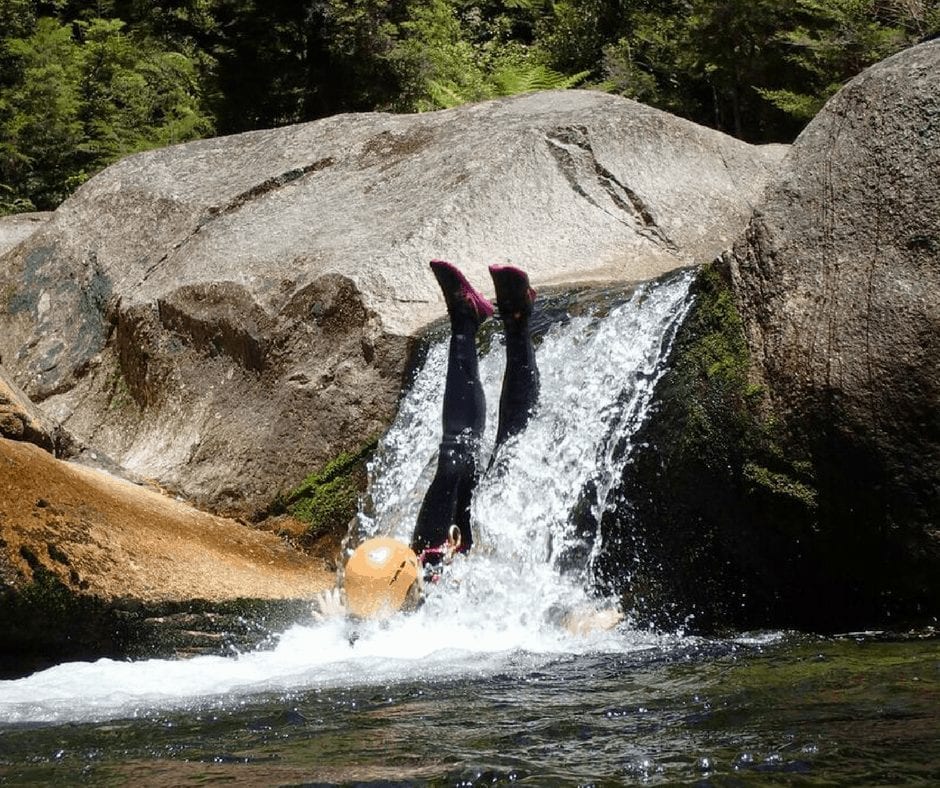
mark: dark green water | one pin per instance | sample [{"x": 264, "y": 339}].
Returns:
[{"x": 801, "y": 710}]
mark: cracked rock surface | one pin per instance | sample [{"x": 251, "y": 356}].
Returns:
[{"x": 225, "y": 316}]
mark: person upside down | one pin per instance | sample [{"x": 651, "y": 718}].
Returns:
[{"x": 385, "y": 576}]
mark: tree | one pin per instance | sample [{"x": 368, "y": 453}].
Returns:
[
  {"x": 839, "y": 38},
  {"x": 733, "y": 53},
  {"x": 82, "y": 84},
  {"x": 283, "y": 61},
  {"x": 135, "y": 96},
  {"x": 42, "y": 129},
  {"x": 87, "y": 94}
]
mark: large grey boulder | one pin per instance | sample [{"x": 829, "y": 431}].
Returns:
[
  {"x": 226, "y": 315},
  {"x": 789, "y": 474},
  {"x": 838, "y": 281}
]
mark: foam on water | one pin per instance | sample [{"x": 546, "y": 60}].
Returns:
[{"x": 495, "y": 609}]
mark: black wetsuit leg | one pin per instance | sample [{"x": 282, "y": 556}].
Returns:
[
  {"x": 447, "y": 501},
  {"x": 521, "y": 385}
]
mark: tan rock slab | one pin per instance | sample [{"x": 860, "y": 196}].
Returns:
[{"x": 106, "y": 537}]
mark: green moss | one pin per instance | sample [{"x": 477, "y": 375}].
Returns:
[
  {"x": 48, "y": 594},
  {"x": 328, "y": 498},
  {"x": 44, "y": 621},
  {"x": 725, "y": 419},
  {"x": 782, "y": 484},
  {"x": 715, "y": 490},
  {"x": 120, "y": 393},
  {"x": 738, "y": 512}
]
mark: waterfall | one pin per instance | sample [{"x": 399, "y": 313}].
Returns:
[
  {"x": 598, "y": 373},
  {"x": 492, "y": 612}
]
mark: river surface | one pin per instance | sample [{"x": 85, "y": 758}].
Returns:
[
  {"x": 774, "y": 709},
  {"x": 481, "y": 685}
]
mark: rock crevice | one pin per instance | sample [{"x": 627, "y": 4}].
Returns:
[{"x": 571, "y": 148}]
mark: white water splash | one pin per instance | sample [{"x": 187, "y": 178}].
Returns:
[
  {"x": 597, "y": 380},
  {"x": 495, "y": 608}
]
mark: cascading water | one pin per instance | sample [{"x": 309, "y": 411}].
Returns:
[
  {"x": 494, "y": 608},
  {"x": 597, "y": 379}
]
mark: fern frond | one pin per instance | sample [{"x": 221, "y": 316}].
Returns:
[
  {"x": 446, "y": 95},
  {"x": 799, "y": 105},
  {"x": 513, "y": 79}
]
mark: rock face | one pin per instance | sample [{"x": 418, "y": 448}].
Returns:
[
  {"x": 838, "y": 282},
  {"x": 226, "y": 315},
  {"x": 20, "y": 419},
  {"x": 17, "y": 228},
  {"x": 790, "y": 475},
  {"x": 84, "y": 555}
]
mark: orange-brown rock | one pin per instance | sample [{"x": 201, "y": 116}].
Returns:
[
  {"x": 107, "y": 537},
  {"x": 92, "y": 565}
]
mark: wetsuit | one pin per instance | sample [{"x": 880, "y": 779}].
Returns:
[{"x": 448, "y": 498}]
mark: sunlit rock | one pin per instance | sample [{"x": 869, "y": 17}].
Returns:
[
  {"x": 20, "y": 419},
  {"x": 18, "y": 227},
  {"x": 226, "y": 315},
  {"x": 92, "y": 565}
]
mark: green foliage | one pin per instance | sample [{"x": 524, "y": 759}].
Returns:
[
  {"x": 42, "y": 128},
  {"x": 439, "y": 67},
  {"x": 725, "y": 426},
  {"x": 11, "y": 203},
  {"x": 85, "y": 94},
  {"x": 453, "y": 53},
  {"x": 508, "y": 80},
  {"x": 801, "y": 106},
  {"x": 283, "y": 61},
  {"x": 834, "y": 40},
  {"x": 758, "y": 69},
  {"x": 780, "y": 484},
  {"x": 83, "y": 84}
]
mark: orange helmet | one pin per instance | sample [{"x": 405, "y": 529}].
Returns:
[{"x": 379, "y": 576}]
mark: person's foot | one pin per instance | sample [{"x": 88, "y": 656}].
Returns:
[
  {"x": 461, "y": 298},
  {"x": 514, "y": 295}
]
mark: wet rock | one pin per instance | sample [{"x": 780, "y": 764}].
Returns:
[
  {"x": 92, "y": 565},
  {"x": 791, "y": 474},
  {"x": 226, "y": 316}
]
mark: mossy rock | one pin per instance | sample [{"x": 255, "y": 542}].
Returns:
[
  {"x": 721, "y": 522},
  {"x": 726, "y": 519},
  {"x": 45, "y": 622},
  {"x": 328, "y": 498}
]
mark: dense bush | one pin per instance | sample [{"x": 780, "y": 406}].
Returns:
[{"x": 83, "y": 84}]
